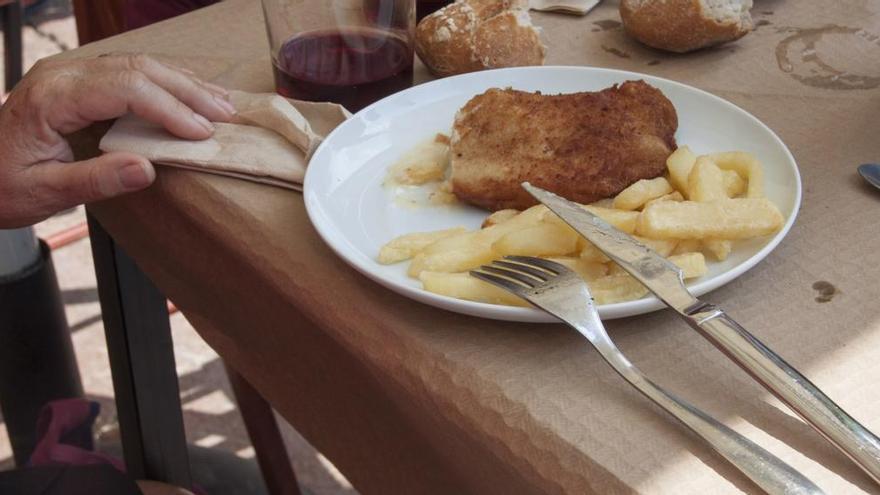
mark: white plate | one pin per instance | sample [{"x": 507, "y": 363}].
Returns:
[{"x": 355, "y": 214}]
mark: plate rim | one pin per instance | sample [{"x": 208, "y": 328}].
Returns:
[{"x": 645, "y": 305}]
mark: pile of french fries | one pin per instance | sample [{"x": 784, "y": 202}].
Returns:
[{"x": 699, "y": 207}]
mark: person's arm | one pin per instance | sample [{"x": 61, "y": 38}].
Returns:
[{"x": 38, "y": 176}]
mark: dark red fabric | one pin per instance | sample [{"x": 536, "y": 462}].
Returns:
[
  {"x": 64, "y": 429},
  {"x": 139, "y": 13}
]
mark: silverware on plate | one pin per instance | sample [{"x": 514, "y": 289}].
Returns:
[
  {"x": 785, "y": 382},
  {"x": 564, "y": 294}
]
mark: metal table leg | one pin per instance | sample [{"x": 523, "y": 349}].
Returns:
[
  {"x": 138, "y": 335},
  {"x": 11, "y": 18}
]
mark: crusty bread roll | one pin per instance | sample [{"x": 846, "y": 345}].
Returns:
[
  {"x": 686, "y": 25},
  {"x": 471, "y": 35}
]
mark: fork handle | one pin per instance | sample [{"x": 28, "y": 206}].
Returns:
[
  {"x": 790, "y": 386},
  {"x": 767, "y": 471}
]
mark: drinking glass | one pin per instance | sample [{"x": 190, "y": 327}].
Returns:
[
  {"x": 425, "y": 7},
  {"x": 351, "y": 52}
]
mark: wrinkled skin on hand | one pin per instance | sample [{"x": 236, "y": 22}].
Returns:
[{"x": 38, "y": 176}]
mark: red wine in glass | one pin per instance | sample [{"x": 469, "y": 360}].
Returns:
[
  {"x": 350, "y": 66},
  {"x": 425, "y": 7}
]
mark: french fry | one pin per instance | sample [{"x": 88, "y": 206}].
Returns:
[
  {"x": 457, "y": 253},
  {"x": 464, "y": 286},
  {"x": 501, "y": 216},
  {"x": 408, "y": 245},
  {"x": 526, "y": 218},
  {"x": 544, "y": 239},
  {"x": 590, "y": 253},
  {"x": 455, "y": 242},
  {"x": 692, "y": 265},
  {"x": 616, "y": 288},
  {"x": 687, "y": 246},
  {"x": 720, "y": 248},
  {"x": 747, "y": 166},
  {"x": 734, "y": 185},
  {"x": 706, "y": 181},
  {"x": 588, "y": 270},
  {"x": 738, "y": 218},
  {"x": 673, "y": 196},
  {"x": 640, "y": 192},
  {"x": 679, "y": 164},
  {"x": 603, "y": 203}
]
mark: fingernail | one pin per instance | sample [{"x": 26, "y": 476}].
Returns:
[
  {"x": 215, "y": 88},
  {"x": 136, "y": 176},
  {"x": 225, "y": 105},
  {"x": 203, "y": 122}
]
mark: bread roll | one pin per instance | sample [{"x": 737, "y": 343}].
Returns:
[
  {"x": 472, "y": 35},
  {"x": 686, "y": 25}
]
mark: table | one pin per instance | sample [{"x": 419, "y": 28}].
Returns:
[{"x": 405, "y": 398}]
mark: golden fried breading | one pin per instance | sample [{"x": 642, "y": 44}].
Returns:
[{"x": 582, "y": 146}]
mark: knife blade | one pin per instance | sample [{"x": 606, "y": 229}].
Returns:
[{"x": 655, "y": 272}]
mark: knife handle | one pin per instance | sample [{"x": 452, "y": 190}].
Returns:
[{"x": 790, "y": 386}]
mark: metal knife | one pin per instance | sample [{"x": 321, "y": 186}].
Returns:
[{"x": 664, "y": 279}]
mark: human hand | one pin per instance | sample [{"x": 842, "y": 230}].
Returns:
[{"x": 38, "y": 176}]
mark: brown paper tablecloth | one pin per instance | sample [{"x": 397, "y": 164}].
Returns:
[{"x": 405, "y": 398}]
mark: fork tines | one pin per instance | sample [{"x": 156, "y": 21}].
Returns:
[{"x": 515, "y": 273}]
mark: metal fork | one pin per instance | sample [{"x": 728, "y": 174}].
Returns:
[{"x": 561, "y": 292}]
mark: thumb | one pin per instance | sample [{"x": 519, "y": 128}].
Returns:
[{"x": 56, "y": 186}]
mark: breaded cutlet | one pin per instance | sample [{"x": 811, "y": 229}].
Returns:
[{"x": 583, "y": 146}]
